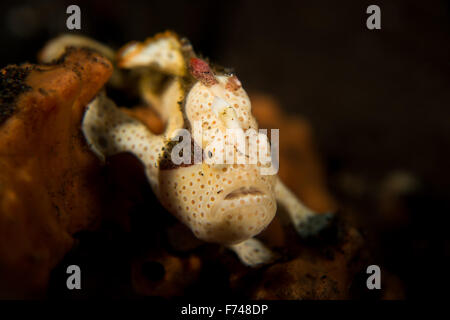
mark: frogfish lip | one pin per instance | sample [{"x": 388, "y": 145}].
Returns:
[{"x": 242, "y": 192}]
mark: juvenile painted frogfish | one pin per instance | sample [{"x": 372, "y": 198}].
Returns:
[{"x": 225, "y": 202}]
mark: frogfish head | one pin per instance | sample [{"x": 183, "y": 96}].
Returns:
[{"x": 225, "y": 198}]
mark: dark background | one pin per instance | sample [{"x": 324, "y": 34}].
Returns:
[{"x": 378, "y": 100}]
